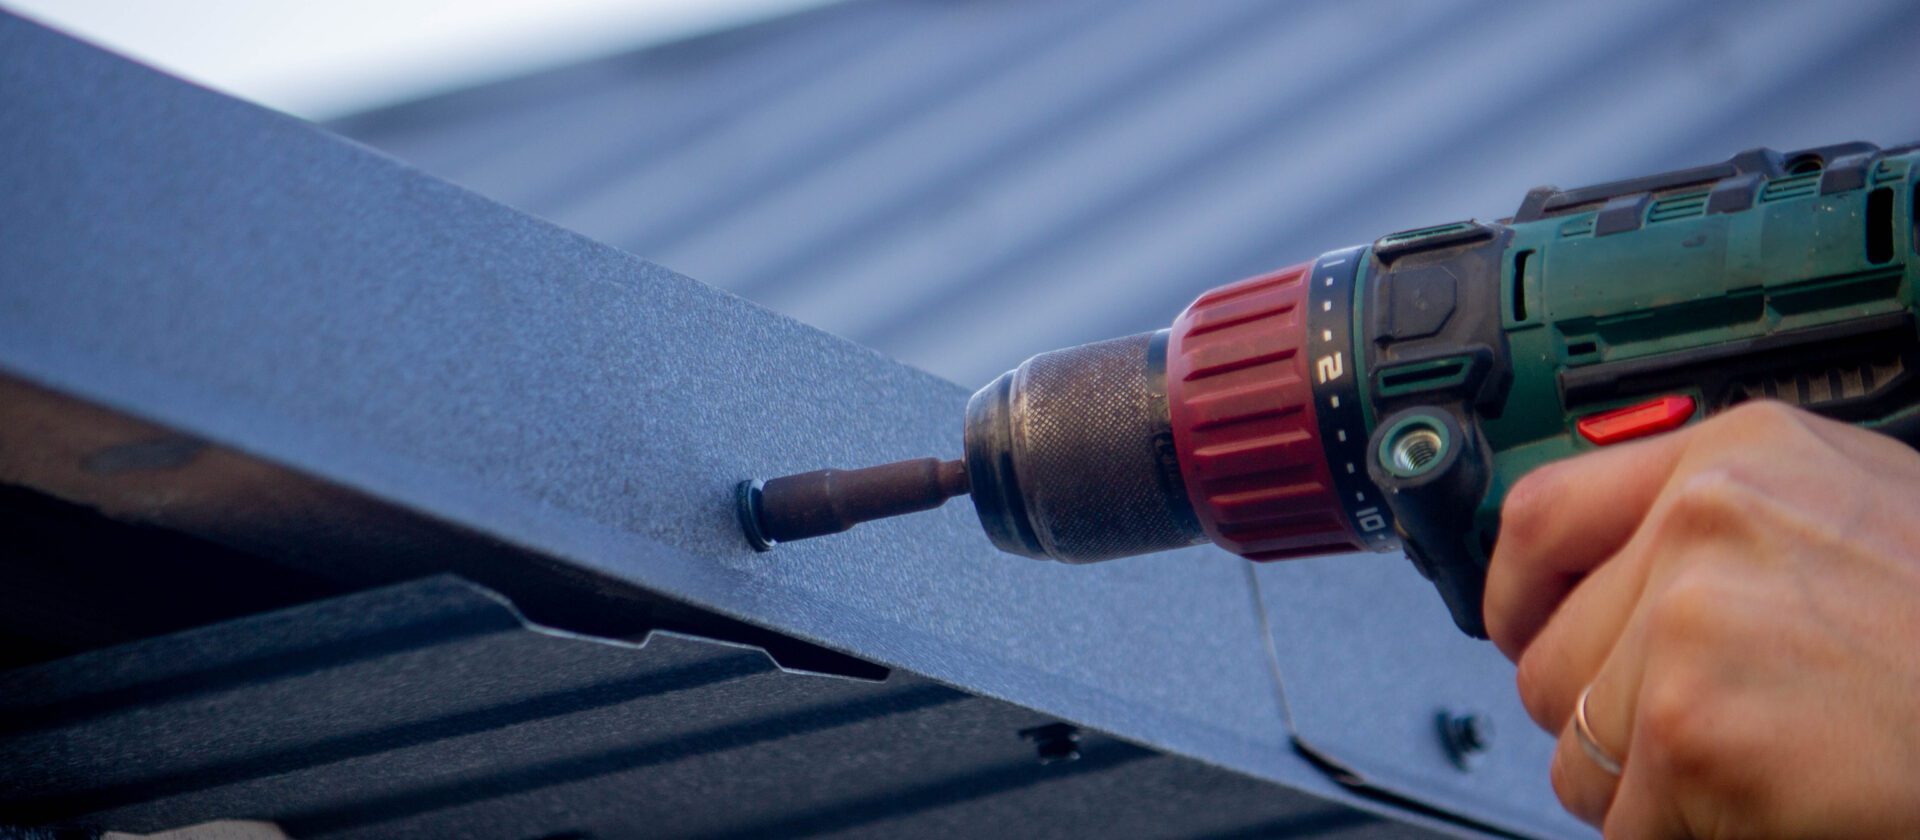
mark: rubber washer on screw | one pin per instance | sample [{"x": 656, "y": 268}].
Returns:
[{"x": 747, "y": 504}]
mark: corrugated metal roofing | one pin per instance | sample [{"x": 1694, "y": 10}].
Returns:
[
  {"x": 961, "y": 184},
  {"x": 429, "y": 709}
]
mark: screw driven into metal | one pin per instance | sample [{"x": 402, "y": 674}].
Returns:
[
  {"x": 813, "y": 504},
  {"x": 1466, "y": 735},
  {"x": 1055, "y": 742}
]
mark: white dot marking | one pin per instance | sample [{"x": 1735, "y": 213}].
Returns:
[
  {"x": 1335, "y": 400},
  {"x": 1349, "y": 468},
  {"x": 1359, "y": 497},
  {"x": 1326, "y": 306},
  {"x": 1326, "y": 335},
  {"x": 1341, "y": 434}
]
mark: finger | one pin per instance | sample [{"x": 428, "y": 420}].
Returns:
[
  {"x": 1567, "y": 655},
  {"x": 1873, "y": 451},
  {"x": 1563, "y": 520},
  {"x": 1643, "y": 807},
  {"x": 1768, "y": 425},
  {"x": 1585, "y": 787}
]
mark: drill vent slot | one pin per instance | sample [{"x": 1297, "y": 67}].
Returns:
[
  {"x": 1405, "y": 237},
  {"x": 1678, "y": 207},
  {"x": 1420, "y": 377},
  {"x": 1582, "y": 226},
  {"x": 1860, "y": 369},
  {"x": 1520, "y": 284},
  {"x": 1798, "y": 186},
  {"x": 1818, "y": 386},
  {"x": 1880, "y": 225}
]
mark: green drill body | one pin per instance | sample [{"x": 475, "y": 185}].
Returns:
[
  {"x": 1386, "y": 396},
  {"x": 1798, "y": 285}
]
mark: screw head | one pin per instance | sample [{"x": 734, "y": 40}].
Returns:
[
  {"x": 1055, "y": 742},
  {"x": 1465, "y": 735}
]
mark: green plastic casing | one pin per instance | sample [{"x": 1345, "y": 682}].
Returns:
[{"x": 1772, "y": 276}]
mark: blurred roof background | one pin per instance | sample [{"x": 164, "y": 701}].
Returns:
[
  {"x": 323, "y": 60},
  {"x": 960, "y": 183}
]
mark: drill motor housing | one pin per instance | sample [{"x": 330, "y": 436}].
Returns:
[{"x": 1384, "y": 397}]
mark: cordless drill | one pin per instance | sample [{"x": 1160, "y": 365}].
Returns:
[{"x": 1384, "y": 397}]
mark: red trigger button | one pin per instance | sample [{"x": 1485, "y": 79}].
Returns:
[{"x": 1634, "y": 421}]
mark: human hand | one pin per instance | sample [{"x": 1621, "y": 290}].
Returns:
[{"x": 1743, "y": 597}]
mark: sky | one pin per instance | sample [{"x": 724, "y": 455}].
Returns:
[{"x": 320, "y": 59}]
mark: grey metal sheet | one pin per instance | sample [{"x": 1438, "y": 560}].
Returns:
[
  {"x": 244, "y": 279},
  {"x": 1370, "y": 671},
  {"x": 430, "y": 709}
]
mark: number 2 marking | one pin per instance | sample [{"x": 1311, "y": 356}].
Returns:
[{"x": 1329, "y": 368}]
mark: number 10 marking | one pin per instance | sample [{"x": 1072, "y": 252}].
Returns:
[{"x": 1369, "y": 519}]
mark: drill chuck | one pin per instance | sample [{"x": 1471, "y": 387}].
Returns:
[
  {"x": 1211, "y": 430},
  {"x": 1072, "y": 455}
]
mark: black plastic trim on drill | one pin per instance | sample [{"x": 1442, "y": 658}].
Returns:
[
  {"x": 1439, "y": 298},
  {"x": 1440, "y": 303},
  {"x": 1336, "y": 396},
  {"x": 1436, "y": 507},
  {"x": 1720, "y": 370},
  {"x": 1902, "y": 427},
  {"x": 1733, "y": 195},
  {"x": 1622, "y": 214},
  {"x": 1847, "y": 173},
  {"x": 1165, "y": 453},
  {"x": 1396, "y": 245},
  {"x": 1542, "y": 202}
]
